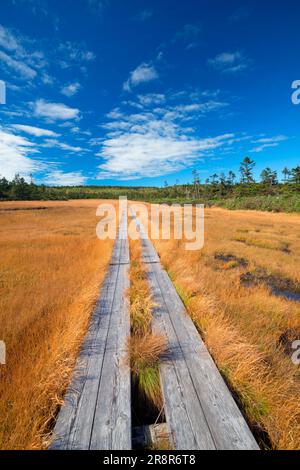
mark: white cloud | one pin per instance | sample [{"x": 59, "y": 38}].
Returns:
[
  {"x": 151, "y": 98},
  {"x": 8, "y": 41},
  {"x": 201, "y": 107},
  {"x": 230, "y": 62},
  {"x": 142, "y": 74},
  {"x": 35, "y": 131},
  {"x": 59, "y": 178},
  {"x": 55, "y": 143},
  {"x": 21, "y": 55},
  {"x": 55, "y": 111},
  {"x": 268, "y": 142},
  {"x": 74, "y": 54},
  {"x": 71, "y": 89},
  {"x": 77, "y": 130},
  {"x": 19, "y": 67},
  {"x": 149, "y": 144},
  {"x": 47, "y": 79},
  {"x": 23, "y": 59},
  {"x": 14, "y": 156}
]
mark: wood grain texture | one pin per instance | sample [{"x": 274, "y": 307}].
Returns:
[
  {"x": 200, "y": 410},
  {"x": 97, "y": 408}
]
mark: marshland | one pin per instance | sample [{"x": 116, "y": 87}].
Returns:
[{"x": 52, "y": 266}]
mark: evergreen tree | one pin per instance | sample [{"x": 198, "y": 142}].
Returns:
[
  {"x": 231, "y": 178},
  {"x": 246, "y": 170},
  {"x": 4, "y": 188},
  {"x": 286, "y": 172},
  {"x": 196, "y": 182},
  {"x": 295, "y": 175},
  {"x": 20, "y": 189},
  {"x": 214, "y": 179},
  {"x": 223, "y": 184},
  {"x": 269, "y": 177}
]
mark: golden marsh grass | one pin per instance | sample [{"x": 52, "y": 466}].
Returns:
[
  {"x": 52, "y": 266},
  {"x": 243, "y": 325}
]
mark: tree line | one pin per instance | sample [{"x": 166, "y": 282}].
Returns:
[
  {"x": 267, "y": 176},
  {"x": 214, "y": 187}
]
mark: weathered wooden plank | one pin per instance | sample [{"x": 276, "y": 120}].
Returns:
[
  {"x": 228, "y": 427},
  {"x": 102, "y": 358},
  {"x": 81, "y": 395},
  {"x": 188, "y": 426},
  {"x": 149, "y": 254},
  {"x": 112, "y": 416},
  {"x": 204, "y": 414}
]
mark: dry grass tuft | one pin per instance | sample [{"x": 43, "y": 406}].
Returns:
[
  {"x": 145, "y": 349},
  {"x": 145, "y": 355},
  {"x": 140, "y": 300},
  {"x": 146, "y": 352}
]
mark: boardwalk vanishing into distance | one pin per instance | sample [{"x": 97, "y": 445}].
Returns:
[
  {"x": 97, "y": 410},
  {"x": 199, "y": 408}
]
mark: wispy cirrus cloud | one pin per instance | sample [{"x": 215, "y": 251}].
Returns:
[
  {"x": 35, "y": 131},
  {"x": 71, "y": 89},
  {"x": 144, "y": 73},
  {"x": 60, "y": 178},
  {"x": 55, "y": 111},
  {"x": 157, "y": 139},
  {"x": 8, "y": 40},
  {"x": 74, "y": 54},
  {"x": 268, "y": 142},
  {"x": 15, "y": 156},
  {"x": 151, "y": 99},
  {"x": 19, "y": 68},
  {"x": 153, "y": 149},
  {"x": 56, "y": 143},
  {"x": 230, "y": 62},
  {"x": 26, "y": 58},
  {"x": 19, "y": 55}
]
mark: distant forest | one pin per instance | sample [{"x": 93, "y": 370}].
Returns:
[{"x": 272, "y": 192}]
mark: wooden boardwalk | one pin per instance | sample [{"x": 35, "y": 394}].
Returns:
[
  {"x": 97, "y": 410},
  {"x": 199, "y": 408}
]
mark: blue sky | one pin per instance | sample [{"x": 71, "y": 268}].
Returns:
[{"x": 140, "y": 92}]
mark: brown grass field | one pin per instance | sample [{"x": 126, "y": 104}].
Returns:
[{"x": 52, "y": 266}]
